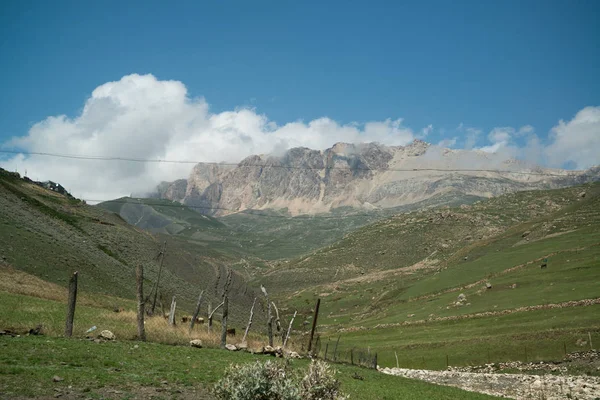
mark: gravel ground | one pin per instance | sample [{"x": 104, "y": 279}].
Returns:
[{"x": 514, "y": 386}]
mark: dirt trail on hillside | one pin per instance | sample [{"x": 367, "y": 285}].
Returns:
[
  {"x": 566, "y": 304},
  {"x": 514, "y": 386}
]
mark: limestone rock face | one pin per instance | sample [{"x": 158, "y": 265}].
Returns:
[{"x": 365, "y": 176}]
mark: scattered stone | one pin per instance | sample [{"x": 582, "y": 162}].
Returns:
[
  {"x": 462, "y": 298},
  {"x": 197, "y": 343},
  {"x": 231, "y": 347},
  {"x": 35, "y": 331},
  {"x": 526, "y": 233},
  {"x": 582, "y": 194},
  {"x": 488, "y": 285},
  {"x": 513, "y": 286},
  {"x": 293, "y": 354},
  {"x": 57, "y": 378},
  {"x": 242, "y": 346},
  {"x": 268, "y": 350},
  {"x": 107, "y": 335},
  {"x": 357, "y": 376}
]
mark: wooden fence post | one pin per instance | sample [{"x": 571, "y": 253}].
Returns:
[
  {"x": 141, "y": 303},
  {"x": 71, "y": 304},
  {"x": 196, "y": 311},
  {"x": 397, "y": 363},
  {"x": 249, "y": 321},
  {"x": 314, "y": 325},
  {"x": 352, "y": 356},
  {"x": 375, "y": 361},
  {"x": 172, "y": 312},
  {"x": 287, "y": 336},
  {"x": 224, "y": 321},
  {"x": 336, "y": 346}
]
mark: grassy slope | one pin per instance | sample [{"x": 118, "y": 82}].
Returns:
[
  {"x": 257, "y": 235},
  {"x": 49, "y": 236},
  {"x": 382, "y": 301},
  {"x": 27, "y": 365}
]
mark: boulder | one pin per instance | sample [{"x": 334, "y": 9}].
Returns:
[
  {"x": 107, "y": 335},
  {"x": 196, "y": 343},
  {"x": 231, "y": 347},
  {"x": 242, "y": 346},
  {"x": 461, "y": 298},
  {"x": 488, "y": 285},
  {"x": 268, "y": 350}
]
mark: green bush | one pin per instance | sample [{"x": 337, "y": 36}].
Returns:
[
  {"x": 275, "y": 381},
  {"x": 319, "y": 383}
]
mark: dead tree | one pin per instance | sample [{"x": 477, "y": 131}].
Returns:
[
  {"x": 172, "y": 312},
  {"x": 141, "y": 302},
  {"x": 196, "y": 312},
  {"x": 287, "y": 336},
  {"x": 249, "y": 321},
  {"x": 210, "y": 315},
  {"x": 269, "y": 316},
  {"x": 71, "y": 304},
  {"x": 162, "y": 253}
]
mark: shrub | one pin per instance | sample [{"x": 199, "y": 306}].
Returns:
[
  {"x": 274, "y": 381},
  {"x": 265, "y": 381},
  {"x": 319, "y": 383}
]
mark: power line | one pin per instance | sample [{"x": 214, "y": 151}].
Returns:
[{"x": 290, "y": 167}]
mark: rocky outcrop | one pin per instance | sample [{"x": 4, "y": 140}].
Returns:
[
  {"x": 361, "y": 176},
  {"x": 514, "y": 386},
  {"x": 171, "y": 190}
]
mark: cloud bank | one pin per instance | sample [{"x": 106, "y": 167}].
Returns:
[{"x": 143, "y": 117}]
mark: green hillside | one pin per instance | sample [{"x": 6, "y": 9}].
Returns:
[
  {"x": 395, "y": 284},
  {"x": 49, "y": 235},
  {"x": 257, "y": 235}
]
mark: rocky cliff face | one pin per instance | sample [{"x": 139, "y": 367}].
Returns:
[{"x": 361, "y": 176}]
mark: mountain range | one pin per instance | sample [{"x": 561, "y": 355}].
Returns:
[{"x": 366, "y": 176}]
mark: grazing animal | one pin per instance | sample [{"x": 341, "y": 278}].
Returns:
[
  {"x": 231, "y": 331},
  {"x": 199, "y": 320}
]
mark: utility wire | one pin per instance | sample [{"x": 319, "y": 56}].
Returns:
[{"x": 290, "y": 167}]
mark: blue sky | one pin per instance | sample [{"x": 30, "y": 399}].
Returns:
[{"x": 485, "y": 64}]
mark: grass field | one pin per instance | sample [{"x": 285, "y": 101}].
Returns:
[
  {"x": 126, "y": 369},
  {"x": 414, "y": 311}
]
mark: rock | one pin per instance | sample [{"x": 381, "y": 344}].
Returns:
[
  {"x": 268, "y": 350},
  {"x": 197, "y": 343},
  {"x": 57, "y": 378},
  {"x": 242, "y": 346},
  {"x": 513, "y": 286},
  {"x": 582, "y": 194},
  {"x": 107, "y": 335},
  {"x": 462, "y": 298},
  {"x": 231, "y": 347},
  {"x": 293, "y": 354},
  {"x": 488, "y": 285},
  {"x": 526, "y": 233}
]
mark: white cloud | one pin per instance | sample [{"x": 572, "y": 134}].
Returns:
[
  {"x": 142, "y": 117},
  {"x": 448, "y": 142},
  {"x": 576, "y": 141}
]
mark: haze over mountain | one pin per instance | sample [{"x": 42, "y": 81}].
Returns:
[{"x": 364, "y": 176}]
